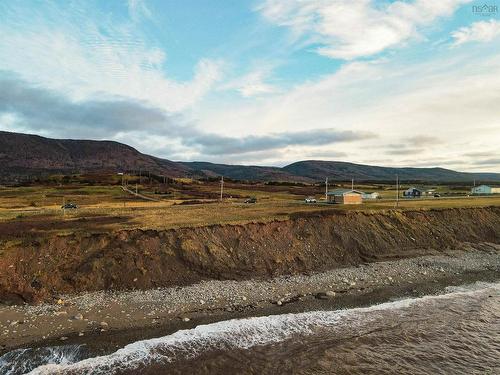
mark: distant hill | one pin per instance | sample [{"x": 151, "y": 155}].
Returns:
[
  {"x": 244, "y": 172},
  {"x": 25, "y": 154},
  {"x": 342, "y": 171},
  {"x": 28, "y": 155}
]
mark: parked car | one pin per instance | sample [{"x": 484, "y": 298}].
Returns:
[
  {"x": 310, "y": 200},
  {"x": 251, "y": 200},
  {"x": 437, "y": 195},
  {"x": 69, "y": 206}
]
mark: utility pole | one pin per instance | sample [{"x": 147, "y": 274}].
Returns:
[
  {"x": 352, "y": 184},
  {"x": 326, "y": 189},
  {"x": 221, "y": 187},
  {"x": 397, "y": 191}
]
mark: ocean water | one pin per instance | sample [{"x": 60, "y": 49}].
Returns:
[{"x": 457, "y": 332}]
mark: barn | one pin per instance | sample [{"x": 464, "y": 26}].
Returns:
[{"x": 345, "y": 196}]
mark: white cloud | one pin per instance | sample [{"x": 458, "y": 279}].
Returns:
[
  {"x": 481, "y": 31},
  {"x": 253, "y": 83},
  {"x": 90, "y": 59},
  {"x": 138, "y": 9},
  {"x": 350, "y": 29},
  {"x": 451, "y": 99}
]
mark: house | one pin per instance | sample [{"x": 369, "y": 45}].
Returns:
[
  {"x": 373, "y": 195},
  {"x": 485, "y": 189},
  {"x": 345, "y": 196},
  {"x": 412, "y": 192}
]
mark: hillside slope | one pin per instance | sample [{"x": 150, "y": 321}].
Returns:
[
  {"x": 343, "y": 171},
  {"x": 244, "y": 172},
  {"x": 22, "y": 154}
]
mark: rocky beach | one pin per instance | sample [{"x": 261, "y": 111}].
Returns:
[{"x": 104, "y": 321}]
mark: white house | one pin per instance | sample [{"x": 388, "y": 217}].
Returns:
[
  {"x": 485, "y": 189},
  {"x": 373, "y": 195}
]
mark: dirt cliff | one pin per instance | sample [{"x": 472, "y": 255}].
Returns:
[{"x": 43, "y": 268}]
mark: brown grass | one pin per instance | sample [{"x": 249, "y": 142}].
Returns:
[{"x": 36, "y": 210}]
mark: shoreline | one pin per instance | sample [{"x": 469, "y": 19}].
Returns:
[{"x": 110, "y": 320}]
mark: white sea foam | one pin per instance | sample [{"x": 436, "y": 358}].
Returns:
[
  {"x": 20, "y": 361},
  {"x": 243, "y": 334}
]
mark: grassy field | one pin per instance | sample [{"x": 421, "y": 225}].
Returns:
[{"x": 37, "y": 209}]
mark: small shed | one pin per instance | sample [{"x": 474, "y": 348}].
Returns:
[
  {"x": 412, "y": 192},
  {"x": 345, "y": 196}
]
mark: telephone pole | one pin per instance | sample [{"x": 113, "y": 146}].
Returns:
[
  {"x": 397, "y": 191},
  {"x": 352, "y": 184},
  {"x": 326, "y": 189},
  {"x": 221, "y": 187}
]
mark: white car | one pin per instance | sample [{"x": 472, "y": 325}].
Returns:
[{"x": 310, "y": 200}]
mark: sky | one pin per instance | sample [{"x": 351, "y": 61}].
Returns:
[{"x": 264, "y": 82}]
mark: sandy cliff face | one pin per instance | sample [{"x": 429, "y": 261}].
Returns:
[{"x": 146, "y": 259}]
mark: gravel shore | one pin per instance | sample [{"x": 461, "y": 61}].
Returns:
[{"x": 106, "y": 320}]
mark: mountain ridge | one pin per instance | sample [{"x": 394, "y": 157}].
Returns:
[{"x": 27, "y": 154}]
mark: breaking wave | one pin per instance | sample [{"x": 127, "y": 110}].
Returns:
[{"x": 232, "y": 334}]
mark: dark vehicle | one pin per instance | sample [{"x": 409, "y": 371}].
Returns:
[
  {"x": 251, "y": 200},
  {"x": 69, "y": 206},
  {"x": 436, "y": 195}
]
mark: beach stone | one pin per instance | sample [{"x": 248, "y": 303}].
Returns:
[
  {"x": 80, "y": 333},
  {"x": 78, "y": 317},
  {"x": 279, "y": 303},
  {"x": 64, "y": 338},
  {"x": 186, "y": 319},
  {"x": 244, "y": 298},
  {"x": 325, "y": 295},
  {"x": 104, "y": 324}
]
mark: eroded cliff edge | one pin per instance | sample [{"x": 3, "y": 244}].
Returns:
[{"x": 41, "y": 268}]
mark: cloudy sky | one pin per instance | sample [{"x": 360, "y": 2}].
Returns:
[{"x": 393, "y": 83}]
